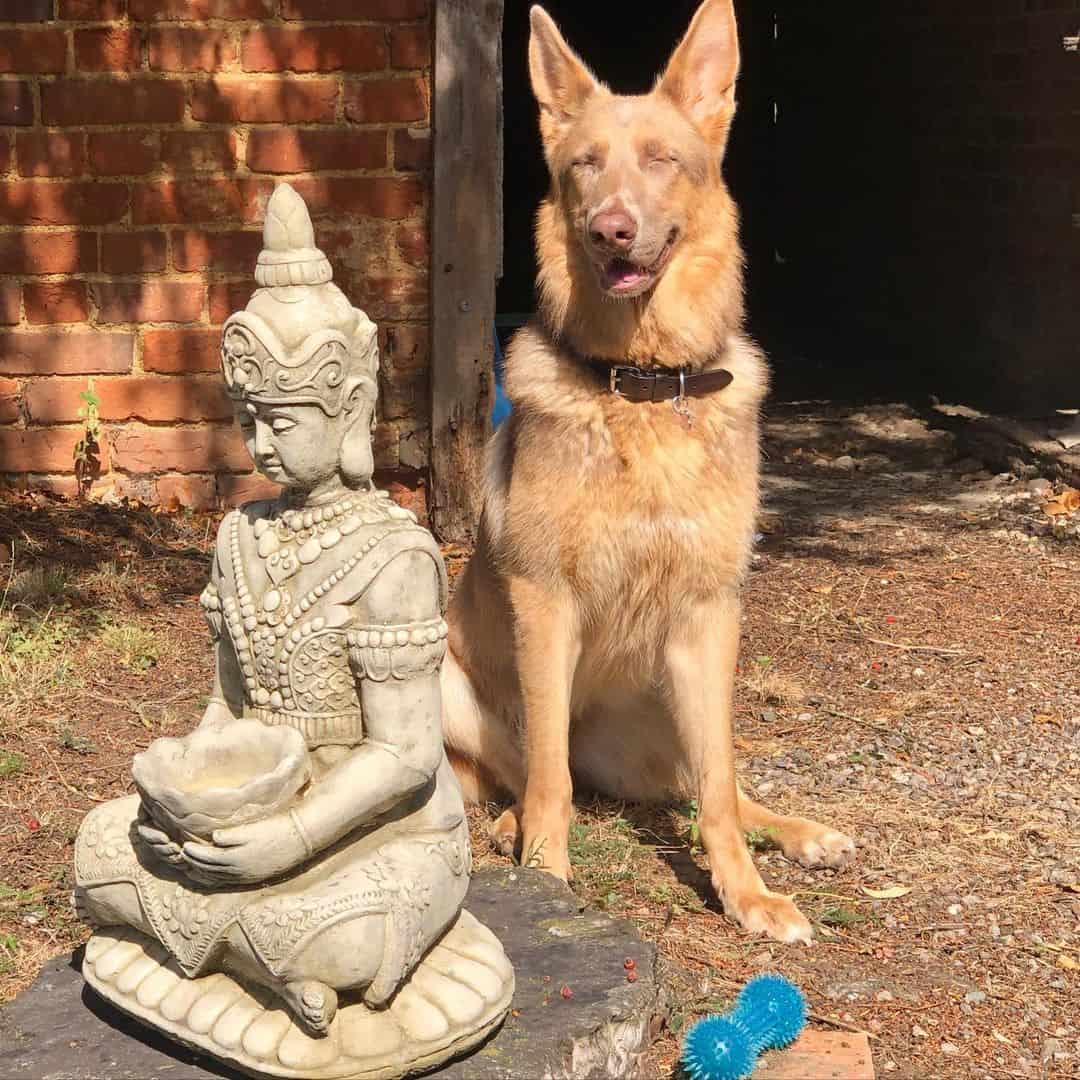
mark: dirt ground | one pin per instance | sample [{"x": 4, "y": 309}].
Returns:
[{"x": 909, "y": 674}]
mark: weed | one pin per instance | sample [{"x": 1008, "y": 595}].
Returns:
[
  {"x": 39, "y": 588},
  {"x": 133, "y": 646},
  {"x": 761, "y": 839},
  {"x": 86, "y": 451},
  {"x": 689, "y": 811},
  {"x": 771, "y": 685},
  {"x": 79, "y": 743},
  {"x": 11, "y": 764},
  {"x": 841, "y": 916},
  {"x": 33, "y": 657},
  {"x": 9, "y": 949}
]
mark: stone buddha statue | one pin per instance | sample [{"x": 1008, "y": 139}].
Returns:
[{"x": 285, "y": 890}]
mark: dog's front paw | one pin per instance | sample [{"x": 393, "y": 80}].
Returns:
[
  {"x": 819, "y": 846},
  {"x": 539, "y": 853},
  {"x": 770, "y": 913}
]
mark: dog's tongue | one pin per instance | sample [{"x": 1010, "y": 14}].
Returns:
[{"x": 620, "y": 273}]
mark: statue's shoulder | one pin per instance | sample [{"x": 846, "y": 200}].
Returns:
[{"x": 237, "y": 521}]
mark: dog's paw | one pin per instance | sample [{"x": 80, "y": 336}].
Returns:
[
  {"x": 773, "y": 914},
  {"x": 538, "y": 853},
  {"x": 820, "y": 846},
  {"x": 506, "y": 832}
]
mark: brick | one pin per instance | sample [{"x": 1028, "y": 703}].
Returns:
[
  {"x": 264, "y": 101},
  {"x": 53, "y": 353},
  {"x": 329, "y": 48},
  {"x": 92, "y": 10},
  {"x": 46, "y": 450},
  {"x": 198, "y": 10},
  {"x": 235, "y": 490},
  {"x": 44, "y": 202},
  {"x": 293, "y": 150},
  {"x": 375, "y": 10},
  {"x": 412, "y": 150},
  {"x": 5, "y": 152},
  {"x": 51, "y": 153},
  {"x": 383, "y": 101},
  {"x": 196, "y": 151},
  {"x": 111, "y": 48},
  {"x": 412, "y": 242},
  {"x": 26, "y": 11},
  {"x": 181, "y": 352},
  {"x": 227, "y": 297},
  {"x": 180, "y": 202},
  {"x": 9, "y": 401},
  {"x": 182, "y": 450},
  {"x": 123, "y": 153},
  {"x": 153, "y": 398},
  {"x": 194, "y": 249},
  {"x": 381, "y": 196},
  {"x": 25, "y": 252},
  {"x": 10, "y": 301},
  {"x": 410, "y": 46},
  {"x": 148, "y": 301},
  {"x": 390, "y": 297},
  {"x": 73, "y": 102},
  {"x": 191, "y": 49},
  {"x": 196, "y": 492},
  {"x": 33, "y": 52},
  {"x": 133, "y": 252},
  {"x": 56, "y": 302},
  {"x": 16, "y": 103}
]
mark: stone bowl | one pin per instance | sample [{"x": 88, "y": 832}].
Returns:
[{"x": 218, "y": 777}]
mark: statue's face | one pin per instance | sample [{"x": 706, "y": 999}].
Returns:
[{"x": 297, "y": 446}]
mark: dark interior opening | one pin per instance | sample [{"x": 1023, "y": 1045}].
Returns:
[{"x": 906, "y": 175}]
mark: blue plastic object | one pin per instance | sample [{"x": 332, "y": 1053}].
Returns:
[
  {"x": 769, "y": 1013},
  {"x": 500, "y": 408}
]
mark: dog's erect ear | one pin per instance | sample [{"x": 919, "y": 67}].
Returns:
[
  {"x": 561, "y": 82},
  {"x": 700, "y": 76}
]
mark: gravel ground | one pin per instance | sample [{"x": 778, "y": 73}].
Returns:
[{"x": 909, "y": 675}]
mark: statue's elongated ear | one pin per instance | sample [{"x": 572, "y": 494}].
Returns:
[{"x": 358, "y": 422}]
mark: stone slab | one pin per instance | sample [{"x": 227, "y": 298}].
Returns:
[
  {"x": 820, "y": 1055},
  {"x": 58, "y": 1029}
]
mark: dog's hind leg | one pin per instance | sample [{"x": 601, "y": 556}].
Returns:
[{"x": 800, "y": 839}]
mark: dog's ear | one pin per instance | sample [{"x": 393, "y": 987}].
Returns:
[
  {"x": 700, "y": 76},
  {"x": 560, "y": 81}
]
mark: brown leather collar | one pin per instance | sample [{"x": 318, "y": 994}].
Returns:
[{"x": 637, "y": 384}]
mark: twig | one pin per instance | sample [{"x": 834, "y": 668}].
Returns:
[
  {"x": 935, "y": 649},
  {"x": 821, "y": 1018}
]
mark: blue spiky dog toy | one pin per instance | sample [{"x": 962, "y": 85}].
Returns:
[{"x": 769, "y": 1013}]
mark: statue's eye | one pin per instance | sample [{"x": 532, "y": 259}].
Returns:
[{"x": 282, "y": 425}]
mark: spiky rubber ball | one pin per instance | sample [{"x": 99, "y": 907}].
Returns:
[
  {"x": 717, "y": 1048},
  {"x": 772, "y": 1010}
]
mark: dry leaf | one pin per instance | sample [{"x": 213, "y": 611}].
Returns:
[
  {"x": 995, "y": 837},
  {"x": 1068, "y": 963},
  {"x": 891, "y": 893},
  {"x": 1068, "y": 502}
]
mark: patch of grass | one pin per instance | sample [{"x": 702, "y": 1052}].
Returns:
[
  {"x": 761, "y": 839},
  {"x": 772, "y": 686},
  {"x": 114, "y": 584},
  {"x": 689, "y": 811},
  {"x": 131, "y": 645},
  {"x": 841, "y": 916},
  {"x": 80, "y": 744},
  {"x": 9, "y": 950},
  {"x": 11, "y": 764},
  {"x": 606, "y": 854},
  {"x": 39, "y": 588},
  {"x": 34, "y": 655}
]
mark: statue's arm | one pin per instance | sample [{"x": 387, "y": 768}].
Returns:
[{"x": 399, "y": 693}]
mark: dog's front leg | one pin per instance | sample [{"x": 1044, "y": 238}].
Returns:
[
  {"x": 548, "y": 643},
  {"x": 701, "y": 655}
]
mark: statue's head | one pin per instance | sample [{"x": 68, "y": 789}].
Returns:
[{"x": 300, "y": 362}]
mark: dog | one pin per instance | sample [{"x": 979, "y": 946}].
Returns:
[{"x": 594, "y": 633}]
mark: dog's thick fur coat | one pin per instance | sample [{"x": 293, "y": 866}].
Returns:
[{"x": 594, "y": 634}]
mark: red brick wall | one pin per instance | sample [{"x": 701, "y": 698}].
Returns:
[
  {"x": 928, "y": 176},
  {"x": 139, "y": 142}
]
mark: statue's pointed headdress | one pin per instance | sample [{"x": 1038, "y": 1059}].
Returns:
[{"x": 257, "y": 365}]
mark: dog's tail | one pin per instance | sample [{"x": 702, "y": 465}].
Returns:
[{"x": 481, "y": 750}]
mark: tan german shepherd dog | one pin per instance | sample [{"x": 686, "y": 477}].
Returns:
[{"x": 594, "y": 634}]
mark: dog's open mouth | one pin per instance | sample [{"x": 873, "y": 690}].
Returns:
[{"x": 623, "y": 277}]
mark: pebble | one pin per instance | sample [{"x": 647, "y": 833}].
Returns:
[
  {"x": 950, "y": 1048},
  {"x": 918, "y": 1032},
  {"x": 975, "y": 997}
]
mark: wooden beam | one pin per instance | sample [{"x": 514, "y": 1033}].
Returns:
[{"x": 465, "y": 254}]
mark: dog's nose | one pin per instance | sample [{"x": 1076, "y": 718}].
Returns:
[{"x": 613, "y": 229}]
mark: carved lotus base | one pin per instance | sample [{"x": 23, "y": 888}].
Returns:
[{"x": 458, "y": 994}]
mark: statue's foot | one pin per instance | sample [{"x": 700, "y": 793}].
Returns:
[{"x": 313, "y": 1003}]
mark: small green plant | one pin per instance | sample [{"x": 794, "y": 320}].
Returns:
[
  {"x": 32, "y": 654},
  {"x": 79, "y": 743},
  {"x": 11, "y": 764},
  {"x": 689, "y": 811},
  {"x": 761, "y": 839},
  {"x": 133, "y": 646},
  {"x": 39, "y": 588},
  {"x": 9, "y": 949},
  {"x": 841, "y": 916},
  {"x": 87, "y": 450}
]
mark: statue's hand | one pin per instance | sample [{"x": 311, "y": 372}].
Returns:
[
  {"x": 247, "y": 853},
  {"x": 166, "y": 850}
]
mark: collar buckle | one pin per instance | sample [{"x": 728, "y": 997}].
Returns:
[{"x": 614, "y": 375}]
